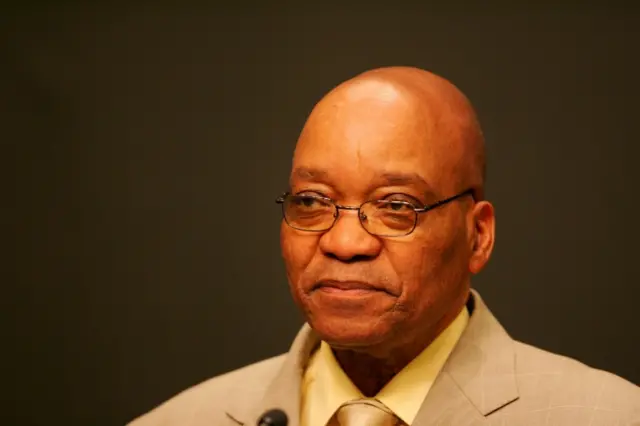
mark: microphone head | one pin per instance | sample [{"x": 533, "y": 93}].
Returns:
[{"x": 273, "y": 417}]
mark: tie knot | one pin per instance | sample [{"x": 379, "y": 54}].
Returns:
[{"x": 365, "y": 412}]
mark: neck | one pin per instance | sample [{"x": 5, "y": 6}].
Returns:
[
  {"x": 371, "y": 369},
  {"x": 370, "y": 374}
]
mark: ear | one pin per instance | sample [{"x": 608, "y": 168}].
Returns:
[{"x": 483, "y": 236}]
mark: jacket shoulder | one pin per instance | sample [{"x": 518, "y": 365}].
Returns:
[
  {"x": 547, "y": 380},
  {"x": 208, "y": 402}
]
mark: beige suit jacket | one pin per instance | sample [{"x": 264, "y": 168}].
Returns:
[{"x": 489, "y": 379}]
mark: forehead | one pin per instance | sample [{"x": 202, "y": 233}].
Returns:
[{"x": 370, "y": 131}]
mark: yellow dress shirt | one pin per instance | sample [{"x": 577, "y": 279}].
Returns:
[{"x": 325, "y": 386}]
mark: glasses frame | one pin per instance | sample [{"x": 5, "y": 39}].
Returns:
[{"x": 425, "y": 208}]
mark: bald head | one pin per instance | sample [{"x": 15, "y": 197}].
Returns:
[{"x": 417, "y": 104}]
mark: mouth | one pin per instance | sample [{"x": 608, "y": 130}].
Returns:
[{"x": 349, "y": 287}]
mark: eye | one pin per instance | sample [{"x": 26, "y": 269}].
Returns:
[
  {"x": 398, "y": 206},
  {"x": 308, "y": 200},
  {"x": 390, "y": 216},
  {"x": 309, "y": 203},
  {"x": 399, "y": 202}
]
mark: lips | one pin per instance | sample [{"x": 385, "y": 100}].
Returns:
[{"x": 354, "y": 286}]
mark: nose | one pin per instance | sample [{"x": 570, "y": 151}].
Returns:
[{"x": 348, "y": 241}]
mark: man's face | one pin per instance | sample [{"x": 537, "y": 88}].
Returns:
[{"x": 360, "y": 290}]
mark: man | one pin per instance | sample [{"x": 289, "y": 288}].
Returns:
[{"x": 384, "y": 223}]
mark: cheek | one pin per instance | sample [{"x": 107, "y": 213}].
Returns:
[
  {"x": 416, "y": 265},
  {"x": 431, "y": 263},
  {"x": 297, "y": 251},
  {"x": 444, "y": 240}
]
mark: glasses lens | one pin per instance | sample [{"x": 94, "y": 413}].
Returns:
[
  {"x": 388, "y": 218},
  {"x": 309, "y": 213}
]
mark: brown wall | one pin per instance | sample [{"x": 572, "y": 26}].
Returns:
[{"x": 145, "y": 145}]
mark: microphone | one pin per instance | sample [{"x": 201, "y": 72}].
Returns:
[{"x": 273, "y": 417}]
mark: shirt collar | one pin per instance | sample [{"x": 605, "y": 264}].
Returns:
[
  {"x": 326, "y": 386},
  {"x": 406, "y": 391}
]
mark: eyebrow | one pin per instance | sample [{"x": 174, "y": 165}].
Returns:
[
  {"x": 409, "y": 178},
  {"x": 404, "y": 178},
  {"x": 388, "y": 178}
]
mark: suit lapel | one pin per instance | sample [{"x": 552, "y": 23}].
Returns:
[
  {"x": 447, "y": 405},
  {"x": 284, "y": 392},
  {"x": 479, "y": 376}
]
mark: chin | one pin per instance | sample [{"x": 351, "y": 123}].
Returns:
[{"x": 350, "y": 333}]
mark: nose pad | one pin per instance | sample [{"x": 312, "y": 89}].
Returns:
[{"x": 363, "y": 217}]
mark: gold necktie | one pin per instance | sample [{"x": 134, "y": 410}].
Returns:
[{"x": 366, "y": 412}]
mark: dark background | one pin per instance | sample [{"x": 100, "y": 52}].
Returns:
[{"x": 145, "y": 143}]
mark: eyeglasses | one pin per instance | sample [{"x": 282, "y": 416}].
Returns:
[{"x": 383, "y": 218}]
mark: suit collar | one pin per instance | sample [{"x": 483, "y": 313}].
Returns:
[
  {"x": 284, "y": 392},
  {"x": 479, "y": 376},
  {"x": 477, "y": 379},
  {"x": 483, "y": 362}
]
